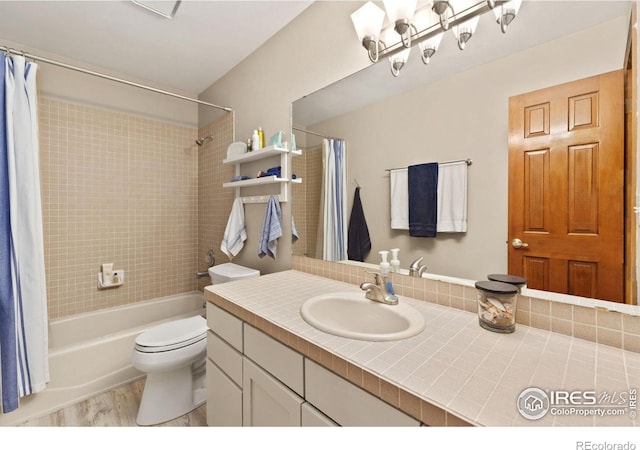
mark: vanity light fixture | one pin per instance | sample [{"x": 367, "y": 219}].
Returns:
[
  {"x": 429, "y": 47},
  {"x": 407, "y": 27},
  {"x": 444, "y": 10},
  {"x": 505, "y": 12},
  {"x": 400, "y": 13},
  {"x": 398, "y": 60},
  {"x": 465, "y": 30},
  {"x": 368, "y": 22}
]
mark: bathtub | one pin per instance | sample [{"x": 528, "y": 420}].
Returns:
[{"x": 91, "y": 353}]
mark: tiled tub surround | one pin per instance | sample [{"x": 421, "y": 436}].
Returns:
[
  {"x": 609, "y": 323},
  {"x": 454, "y": 372}
]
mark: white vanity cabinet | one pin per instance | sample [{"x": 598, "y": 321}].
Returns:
[
  {"x": 348, "y": 404},
  {"x": 224, "y": 368},
  {"x": 255, "y": 380},
  {"x": 266, "y": 401}
]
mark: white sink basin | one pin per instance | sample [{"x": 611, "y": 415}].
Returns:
[{"x": 350, "y": 314}]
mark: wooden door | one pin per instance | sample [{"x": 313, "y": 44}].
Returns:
[{"x": 566, "y": 187}]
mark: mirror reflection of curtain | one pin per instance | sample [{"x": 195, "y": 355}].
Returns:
[{"x": 332, "y": 226}]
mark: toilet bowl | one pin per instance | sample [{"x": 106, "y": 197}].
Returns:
[{"x": 173, "y": 355}]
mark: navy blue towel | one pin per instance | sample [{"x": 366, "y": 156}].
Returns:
[
  {"x": 423, "y": 199},
  {"x": 359, "y": 243}
]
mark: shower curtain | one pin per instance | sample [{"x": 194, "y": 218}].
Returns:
[
  {"x": 23, "y": 297},
  {"x": 333, "y": 206}
]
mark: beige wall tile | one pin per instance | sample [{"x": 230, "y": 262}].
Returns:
[{"x": 116, "y": 188}]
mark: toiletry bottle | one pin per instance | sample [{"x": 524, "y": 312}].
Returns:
[
  {"x": 395, "y": 263},
  {"x": 255, "y": 141},
  {"x": 384, "y": 270},
  {"x": 107, "y": 273},
  {"x": 249, "y": 145},
  {"x": 261, "y": 134}
]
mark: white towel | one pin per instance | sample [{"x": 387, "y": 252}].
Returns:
[
  {"x": 235, "y": 234},
  {"x": 399, "y": 199},
  {"x": 452, "y": 197}
]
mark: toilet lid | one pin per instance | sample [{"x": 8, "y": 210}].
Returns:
[{"x": 174, "y": 334}]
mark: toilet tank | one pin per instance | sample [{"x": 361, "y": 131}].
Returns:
[{"x": 223, "y": 273}]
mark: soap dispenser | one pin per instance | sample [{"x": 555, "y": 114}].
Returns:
[
  {"x": 384, "y": 264},
  {"x": 395, "y": 262},
  {"x": 261, "y": 135},
  {"x": 384, "y": 271}
]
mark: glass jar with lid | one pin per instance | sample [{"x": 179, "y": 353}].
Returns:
[{"x": 497, "y": 306}]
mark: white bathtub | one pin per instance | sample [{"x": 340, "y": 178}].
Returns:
[{"x": 91, "y": 353}]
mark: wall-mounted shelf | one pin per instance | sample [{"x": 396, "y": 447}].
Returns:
[
  {"x": 117, "y": 275},
  {"x": 256, "y": 155}
]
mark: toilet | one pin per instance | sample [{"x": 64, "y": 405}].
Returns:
[{"x": 173, "y": 355}]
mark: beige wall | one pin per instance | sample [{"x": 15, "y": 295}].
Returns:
[
  {"x": 214, "y": 202},
  {"x": 73, "y": 86},
  {"x": 316, "y": 55},
  {"x": 303, "y": 57},
  {"x": 463, "y": 116},
  {"x": 116, "y": 188}
]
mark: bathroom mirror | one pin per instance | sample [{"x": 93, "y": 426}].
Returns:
[{"x": 454, "y": 108}]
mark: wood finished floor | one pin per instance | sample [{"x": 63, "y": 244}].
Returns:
[{"x": 116, "y": 408}]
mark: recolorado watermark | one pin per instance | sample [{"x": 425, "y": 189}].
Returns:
[
  {"x": 589, "y": 445},
  {"x": 534, "y": 403}
]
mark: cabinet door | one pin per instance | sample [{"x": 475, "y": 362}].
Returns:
[
  {"x": 224, "y": 399},
  {"x": 311, "y": 417},
  {"x": 266, "y": 401}
]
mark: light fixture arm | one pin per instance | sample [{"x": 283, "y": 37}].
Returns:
[
  {"x": 374, "y": 47},
  {"x": 440, "y": 7}
]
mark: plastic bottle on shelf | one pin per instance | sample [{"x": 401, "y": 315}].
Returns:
[
  {"x": 255, "y": 141},
  {"x": 261, "y": 134}
]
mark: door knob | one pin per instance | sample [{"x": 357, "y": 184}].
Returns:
[{"x": 517, "y": 243}]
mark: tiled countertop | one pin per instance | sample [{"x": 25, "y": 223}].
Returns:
[{"x": 452, "y": 370}]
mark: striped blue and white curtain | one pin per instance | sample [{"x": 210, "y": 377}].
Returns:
[
  {"x": 334, "y": 205},
  {"x": 23, "y": 297}
]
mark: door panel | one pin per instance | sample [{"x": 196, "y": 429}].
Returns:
[{"x": 566, "y": 176}]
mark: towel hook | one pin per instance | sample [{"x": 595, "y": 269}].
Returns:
[{"x": 355, "y": 182}]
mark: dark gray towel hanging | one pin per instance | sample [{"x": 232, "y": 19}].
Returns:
[{"x": 359, "y": 243}]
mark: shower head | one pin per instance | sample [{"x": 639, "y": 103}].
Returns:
[{"x": 201, "y": 141}]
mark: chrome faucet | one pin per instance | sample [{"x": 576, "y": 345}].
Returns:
[
  {"x": 416, "y": 269},
  {"x": 378, "y": 291}
]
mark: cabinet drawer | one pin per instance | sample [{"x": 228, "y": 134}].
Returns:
[
  {"x": 225, "y": 325},
  {"x": 285, "y": 364},
  {"x": 311, "y": 417},
  {"x": 224, "y": 399},
  {"x": 225, "y": 357},
  {"x": 347, "y": 404}
]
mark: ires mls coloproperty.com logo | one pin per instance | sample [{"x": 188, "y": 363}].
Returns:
[{"x": 534, "y": 403}]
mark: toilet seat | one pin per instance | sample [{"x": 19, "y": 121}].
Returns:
[{"x": 172, "y": 335}]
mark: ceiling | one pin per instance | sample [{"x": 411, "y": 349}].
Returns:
[
  {"x": 537, "y": 22},
  {"x": 201, "y": 43}
]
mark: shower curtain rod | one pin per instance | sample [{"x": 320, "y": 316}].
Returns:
[
  {"x": 10, "y": 51},
  {"x": 315, "y": 134}
]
